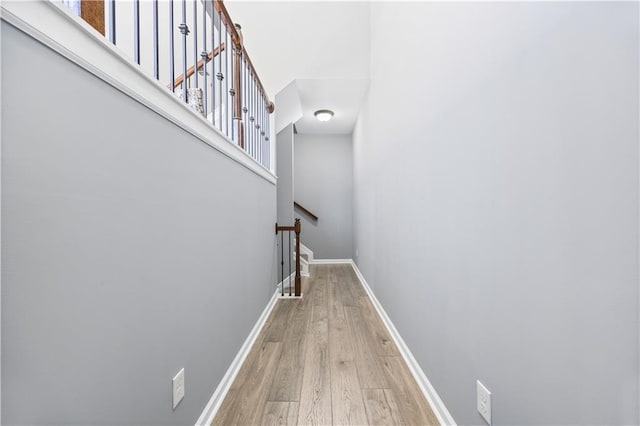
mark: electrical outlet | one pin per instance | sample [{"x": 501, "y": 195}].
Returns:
[
  {"x": 484, "y": 402},
  {"x": 178, "y": 388}
]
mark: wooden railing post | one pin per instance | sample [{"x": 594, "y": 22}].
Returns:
[
  {"x": 238, "y": 49},
  {"x": 92, "y": 11},
  {"x": 297, "y": 283}
]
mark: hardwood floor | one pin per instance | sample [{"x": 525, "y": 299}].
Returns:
[{"x": 325, "y": 360}]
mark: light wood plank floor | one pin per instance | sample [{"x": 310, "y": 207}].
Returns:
[{"x": 325, "y": 360}]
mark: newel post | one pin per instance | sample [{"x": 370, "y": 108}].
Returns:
[
  {"x": 238, "y": 49},
  {"x": 297, "y": 227}
]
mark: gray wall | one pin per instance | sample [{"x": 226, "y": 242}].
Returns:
[
  {"x": 324, "y": 185},
  {"x": 129, "y": 250},
  {"x": 284, "y": 171},
  {"x": 496, "y": 202}
]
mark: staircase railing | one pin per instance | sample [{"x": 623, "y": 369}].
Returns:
[
  {"x": 198, "y": 41},
  {"x": 196, "y": 68},
  {"x": 305, "y": 211},
  {"x": 286, "y": 279}
]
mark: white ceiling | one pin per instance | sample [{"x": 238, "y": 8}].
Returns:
[
  {"x": 290, "y": 40},
  {"x": 320, "y": 46},
  {"x": 343, "y": 97}
]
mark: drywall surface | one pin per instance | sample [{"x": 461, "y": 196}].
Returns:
[
  {"x": 324, "y": 185},
  {"x": 284, "y": 169},
  {"x": 496, "y": 202},
  {"x": 289, "y": 109},
  {"x": 130, "y": 249}
]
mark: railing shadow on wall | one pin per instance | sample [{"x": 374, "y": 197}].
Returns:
[{"x": 194, "y": 49}]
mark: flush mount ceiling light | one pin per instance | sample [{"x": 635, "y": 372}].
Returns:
[{"x": 323, "y": 114}]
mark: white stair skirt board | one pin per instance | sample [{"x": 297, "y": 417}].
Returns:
[
  {"x": 304, "y": 266},
  {"x": 304, "y": 263},
  {"x": 306, "y": 250},
  {"x": 438, "y": 407}
]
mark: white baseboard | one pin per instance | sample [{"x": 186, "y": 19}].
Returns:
[
  {"x": 328, "y": 261},
  {"x": 438, "y": 407},
  {"x": 212, "y": 407},
  {"x": 430, "y": 394}
]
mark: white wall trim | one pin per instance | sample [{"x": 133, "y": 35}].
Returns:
[
  {"x": 212, "y": 407},
  {"x": 329, "y": 261},
  {"x": 54, "y": 26},
  {"x": 438, "y": 407}
]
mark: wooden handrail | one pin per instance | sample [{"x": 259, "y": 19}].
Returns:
[
  {"x": 193, "y": 69},
  {"x": 270, "y": 105},
  {"x": 244, "y": 97},
  {"x": 305, "y": 211},
  {"x": 239, "y": 54},
  {"x": 236, "y": 35}
]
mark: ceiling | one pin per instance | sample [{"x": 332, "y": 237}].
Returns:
[
  {"x": 343, "y": 97},
  {"x": 310, "y": 55}
]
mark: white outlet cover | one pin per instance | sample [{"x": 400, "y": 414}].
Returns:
[
  {"x": 484, "y": 402},
  {"x": 178, "y": 388}
]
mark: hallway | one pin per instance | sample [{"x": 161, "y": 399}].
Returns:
[{"x": 325, "y": 359}]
